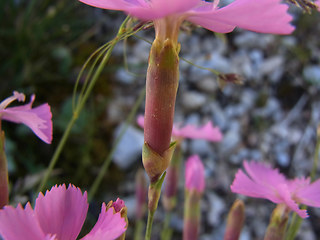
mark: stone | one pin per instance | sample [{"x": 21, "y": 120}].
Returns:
[{"x": 130, "y": 147}]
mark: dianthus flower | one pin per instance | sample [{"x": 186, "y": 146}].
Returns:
[
  {"x": 266, "y": 16},
  {"x": 206, "y": 132},
  {"x": 59, "y": 215},
  {"x": 265, "y": 182},
  {"x": 38, "y": 119}
]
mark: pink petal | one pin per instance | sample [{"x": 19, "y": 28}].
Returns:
[
  {"x": 159, "y": 9},
  {"x": 108, "y": 227},
  {"x": 264, "y": 182},
  {"x": 118, "y": 205},
  {"x": 265, "y": 16},
  {"x": 207, "y": 132},
  {"x": 264, "y": 175},
  {"x": 242, "y": 184},
  {"x": 194, "y": 175},
  {"x": 285, "y": 194},
  {"x": 310, "y": 195},
  {"x": 18, "y": 223},
  {"x": 140, "y": 121},
  {"x": 318, "y": 4},
  {"x": 38, "y": 119},
  {"x": 62, "y": 211},
  {"x": 297, "y": 184},
  {"x": 121, "y": 5},
  {"x": 145, "y": 10}
]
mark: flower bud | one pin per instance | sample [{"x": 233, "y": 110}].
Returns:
[
  {"x": 119, "y": 206},
  {"x": 195, "y": 174},
  {"x": 235, "y": 221},
  {"x": 278, "y": 223}
]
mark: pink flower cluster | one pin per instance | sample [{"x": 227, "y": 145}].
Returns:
[
  {"x": 266, "y": 16},
  {"x": 59, "y": 215},
  {"x": 262, "y": 181},
  {"x": 206, "y": 132},
  {"x": 38, "y": 119}
]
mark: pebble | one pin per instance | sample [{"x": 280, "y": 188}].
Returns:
[
  {"x": 192, "y": 100},
  {"x": 216, "y": 208},
  {"x": 312, "y": 74},
  {"x": 129, "y": 148}
]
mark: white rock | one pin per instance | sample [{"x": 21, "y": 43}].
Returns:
[
  {"x": 129, "y": 147},
  {"x": 216, "y": 208},
  {"x": 312, "y": 74},
  {"x": 193, "y": 100}
]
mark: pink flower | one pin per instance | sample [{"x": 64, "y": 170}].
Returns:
[
  {"x": 267, "y": 16},
  {"x": 206, "y": 132},
  {"x": 263, "y": 182},
  {"x": 118, "y": 205},
  {"x": 59, "y": 215},
  {"x": 38, "y": 119},
  {"x": 195, "y": 174}
]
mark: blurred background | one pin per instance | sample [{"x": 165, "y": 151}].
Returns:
[{"x": 272, "y": 117}]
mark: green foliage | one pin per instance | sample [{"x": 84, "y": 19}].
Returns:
[{"x": 37, "y": 38}]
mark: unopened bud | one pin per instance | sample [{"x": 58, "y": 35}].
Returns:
[
  {"x": 119, "y": 207},
  {"x": 278, "y": 223},
  {"x": 170, "y": 189},
  {"x": 235, "y": 221}
]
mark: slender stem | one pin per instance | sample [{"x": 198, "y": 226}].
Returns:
[
  {"x": 294, "y": 227},
  {"x": 295, "y": 220},
  {"x": 166, "y": 231},
  {"x": 4, "y": 179},
  {"x": 153, "y": 200},
  {"x": 108, "y": 159},
  {"x": 138, "y": 230},
  {"x": 80, "y": 106},
  {"x": 315, "y": 157},
  {"x": 149, "y": 225},
  {"x": 57, "y": 152}
]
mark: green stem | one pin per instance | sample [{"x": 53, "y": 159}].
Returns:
[
  {"x": 80, "y": 106},
  {"x": 108, "y": 159},
  {"x": 4, "y": 179},
  {"x": 315, "y": 157},
  {"x": 138, "y": 230},
  {"x": 294, "y": 227},
  {"x": 149, "y": 225},
  {"x": 295, "y": 220},
  {"x": 166, "y": 231},
  {"x": 153, "y": 200},
  {"x": 57, "y": 152}
]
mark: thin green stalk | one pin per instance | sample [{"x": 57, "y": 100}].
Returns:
[
  {"x": 81, "y": 73},
  {"x": 294, "y": 227},
  {"x": 73, "y": 119},
  {"x": 80, "y": 106},
  {"x": 57, "y": 152},
  {"x": 295, "y": 220},
  {"x": 315, "y": 157},
  {"x": 166, "y": 231},
  {"x": 154, "y": 193},
  {"x": 149, "y": 225},
  {"x": 108, "y": 159},
  {"x": 138, "y": 230}
]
